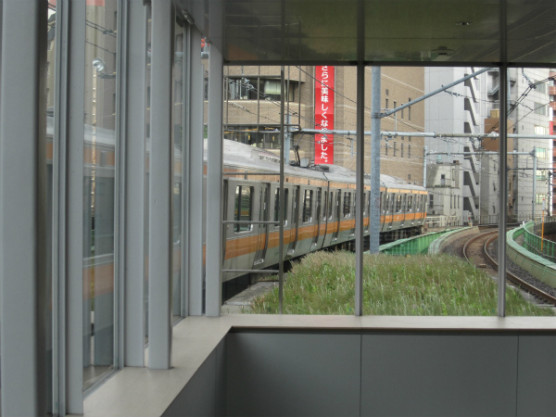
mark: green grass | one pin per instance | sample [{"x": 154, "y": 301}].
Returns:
[{"x": 323, "y": 283}]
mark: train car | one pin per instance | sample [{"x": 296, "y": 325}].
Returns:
[{"x": 319, "y": 208}]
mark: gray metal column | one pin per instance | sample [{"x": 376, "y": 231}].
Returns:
[
  {"x": 160, "y": 185},
  {"x": 23, "y": 208},
  {"x": 214, "y": 186},
  {"x": 534, "y": 191},
  {"x": 195, "y": 191},
  {"x": 374, "y": 215},
  {"x": 134, "y": 232},
  {"x": 67, "y": 221},
  {"x": 503, "y": 187},
  {"x": 360, "y": 189}
]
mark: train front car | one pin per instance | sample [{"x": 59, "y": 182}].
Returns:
[
  {"x": 402, "y": 209},
  {"x": 319, "y": 209}
]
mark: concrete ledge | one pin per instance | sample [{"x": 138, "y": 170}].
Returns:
[
  {"x": 145, "y": 392},
  {"x": 536, "y": 265}
]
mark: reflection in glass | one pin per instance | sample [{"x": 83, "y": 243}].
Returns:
[
  {"x": 98, "y": 181},
  {"x": 177, "y": 138}
]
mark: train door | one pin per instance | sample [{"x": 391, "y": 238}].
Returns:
[
  {"x": 337, "y": 213},
  {"x": 318, "y": 219},
  {"x": 390, "y": 198},
  {"x": 262, "y": 228},
  {"x": 294, "y": 231},
  {"x": 404, "y": 208}
]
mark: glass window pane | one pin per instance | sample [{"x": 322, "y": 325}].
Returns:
[{"x": 98, "y": 180}]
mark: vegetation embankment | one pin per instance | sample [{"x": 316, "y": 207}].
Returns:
[{"x": 440, "y": 285}]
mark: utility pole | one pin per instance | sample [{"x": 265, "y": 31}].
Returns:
[{"x": 374, "y": 218}]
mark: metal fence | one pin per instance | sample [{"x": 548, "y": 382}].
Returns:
[{"x": 533, "y": 241}]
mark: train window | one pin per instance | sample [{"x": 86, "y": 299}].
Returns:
[
  {"x": 308, "y": 206},
  {"x": 347, "y": 204},
  {"x": 338, "y": 201},
  {"x": 277, "y": 206},
  {"x": 410, "y": 204},
  {"x": 398, "y": 207},
  {"x": 243, "y": 207},
  {"x": 366, "y": 203}
]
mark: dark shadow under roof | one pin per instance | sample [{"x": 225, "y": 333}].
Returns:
[{"x": 394, "y": 32}]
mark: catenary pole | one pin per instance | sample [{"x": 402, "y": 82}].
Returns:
[{"x": 374, "y": 217}]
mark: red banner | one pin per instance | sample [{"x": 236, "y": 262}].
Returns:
[{"x": 324, "y": 114}]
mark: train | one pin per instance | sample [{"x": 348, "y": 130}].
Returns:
[{"x": 319, "y": 208}]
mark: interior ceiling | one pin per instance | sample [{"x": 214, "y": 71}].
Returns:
[{"x": 422, "y": 32}]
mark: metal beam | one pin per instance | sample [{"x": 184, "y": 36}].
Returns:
[
  {"x": 360, "y": 188},
  {"x": 503, "y": 188},
  {"x": 214, "y": 185},
  {"x": 160, "y": 196},
  {"x": 135, "y": 195},
  {"x": 67, "y": 221},
  {"x": 23, "y": 209},
  {"x": 374, "y": 215},
  {"x": 195, "y": 220}
]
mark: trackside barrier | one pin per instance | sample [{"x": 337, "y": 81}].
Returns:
[
  {"x": 413, "y": 245},
  {"x": 536, "y": 265},
  {"x": 533, "y": 242},
  {"x": 437, "y": 244}
]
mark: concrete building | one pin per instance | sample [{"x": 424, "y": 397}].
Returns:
[
  {"x": 530, "y": 161},
  {"x": 455, "y": 110},
  {"x": 252, "y": 114}
]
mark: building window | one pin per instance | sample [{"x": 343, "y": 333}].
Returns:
[
  {"x": 541, "y": 153},
  {"x": 257, "y": 88},
  {"x": 541, "y": 130},
  {"x": 409, "y": 150},
  {"x": 540, "y": 109},
  {"x": 401, "y": 151},
  {"x": 540, "y": 86},
  {"x": 540, "y": 174},
  {"x": 540, "y": 198}
]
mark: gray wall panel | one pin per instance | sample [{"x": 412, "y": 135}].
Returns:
[
  {"x": 438, "y": 375},
  {"x": 293, "y": 374},
  {"x": 537, "y": 376},
  {"x": 204, "y": 393}
]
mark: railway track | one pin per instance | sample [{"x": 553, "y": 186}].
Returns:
[{"x": 476, "y": 251}]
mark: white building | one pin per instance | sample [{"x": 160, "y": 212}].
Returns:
[
  {"x": 455, "y": 110},
  {"x": 528, "y": 167}
]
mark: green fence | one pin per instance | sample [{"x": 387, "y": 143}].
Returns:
[
  {"x": 538, "y": 266},
  {"x": 413, "y": 245},
  {"x": 533, "y": 242}
]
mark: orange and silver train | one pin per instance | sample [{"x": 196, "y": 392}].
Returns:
[{"x": 319, "y": 208}]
